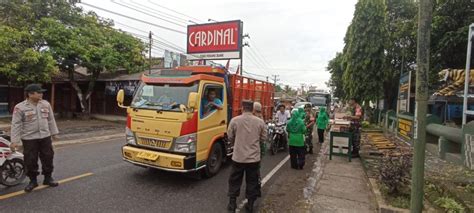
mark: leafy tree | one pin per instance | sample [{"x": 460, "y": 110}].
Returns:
[
  {"x": 278, "y": 88},
  {"x": 93, "y": 44},
  {"x": 20, "y": 61},
  {"x": 401, "y": 46},
  {"x": 451, "y": 20},
  {"x": 39, "y": 37},
  {"x": 335, "y": 67},
  {"x": 364, "y": 51}
]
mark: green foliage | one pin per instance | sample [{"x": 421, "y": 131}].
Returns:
[
  {"x": 337, "y": 70},
  {"x": 364, "y": 57},
  {"x": 394, "y": 172},
  {"x": 451, "y": 20},
  {"x": 278, "y": 88},
  {"x": 20, "y": 62},
  {"x": 366, "y": 40},
  {"x": 39, "y": 37},
  {"x": 449, "y": 205},
  {"x": 401, "y": 200},
  {"x": 401, "y": 46}
]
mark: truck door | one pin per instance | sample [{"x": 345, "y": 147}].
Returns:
[{"x": 212, "y": 121}]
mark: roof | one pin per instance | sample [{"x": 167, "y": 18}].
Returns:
[{"x": 81, "y": 74}]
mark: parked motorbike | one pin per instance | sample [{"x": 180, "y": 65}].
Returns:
[
  {"x": 278, "y": 137},
  {"x": 12, "y": 166}
]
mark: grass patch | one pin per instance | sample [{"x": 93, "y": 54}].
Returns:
[
  {"x": 442, "y": 199},
  {"x": 399, "y": 200},
  {"x": 449, "y": 205}
]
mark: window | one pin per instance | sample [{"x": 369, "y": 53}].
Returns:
[
  {"x": 3, "y": 100},
  {"x": 212, "y": 99},
  {"x": 164, "y": 97}
]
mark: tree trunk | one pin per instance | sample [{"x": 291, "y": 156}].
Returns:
[
  {"x": 84, "y": 98},
  {"x": 390, "y": 91}
]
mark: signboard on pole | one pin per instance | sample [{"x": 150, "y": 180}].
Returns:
[
  {"x": 405, "y": 128},
  {"x": 404, "y": 93},
  {"x": 220, "y": 40}
]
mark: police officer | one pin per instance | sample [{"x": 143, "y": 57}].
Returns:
[{"x": 33, "y": 123}]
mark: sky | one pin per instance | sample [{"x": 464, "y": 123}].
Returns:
[{"x": 292, "y": 39}]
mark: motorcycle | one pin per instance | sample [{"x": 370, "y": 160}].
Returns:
[
  {"x": 12, "y": 166},
  {"x": 278, "y": 137}
]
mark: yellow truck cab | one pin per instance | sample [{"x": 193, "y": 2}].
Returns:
[{"x": 178, "y": 118}]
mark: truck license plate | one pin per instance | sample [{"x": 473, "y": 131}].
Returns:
[{"x": 148, "y": 156}]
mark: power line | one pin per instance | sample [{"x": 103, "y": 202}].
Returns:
[
  {"x": 175, "y": 11},
  {"x": 258, "y": 50},
  {"x": 135, "y": 19},
  {"x": 158, "y": 38},
  {"x": 149, "y": 14},
  {"x": 259, "y": 63},
  {"x": 176, "y": 18},
  {"x": 293, "y": 69},
  {"x": 159, "y": 42}
]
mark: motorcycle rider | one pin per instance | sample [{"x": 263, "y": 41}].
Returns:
[
  {"x": 309, "y": 121},
  {"x": 282, "y": 115}
]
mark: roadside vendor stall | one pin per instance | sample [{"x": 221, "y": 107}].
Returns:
[{"x": 340, "y": 137}]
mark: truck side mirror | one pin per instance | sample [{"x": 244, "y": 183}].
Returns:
[
  {"x": 120, "y": 97},
  {"x": 192, "y": 100}
]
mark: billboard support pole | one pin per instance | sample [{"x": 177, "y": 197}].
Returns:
[{"x": 149, "y": 51}]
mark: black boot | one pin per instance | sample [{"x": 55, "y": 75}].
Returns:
[
  {"x": 311, "y": 150},
  {"x": 232, "y": 206},
  {"x": 48, "y": 180},
  {"x": 249, "y": 206},
  {"x": 32, "y": 185}
]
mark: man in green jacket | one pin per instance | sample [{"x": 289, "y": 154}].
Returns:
[{"x": 296, "y": 130}]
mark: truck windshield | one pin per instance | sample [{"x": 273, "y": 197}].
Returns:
[
  {"x": 164, "y": 97},
  {"x": 318, "y": 99}
]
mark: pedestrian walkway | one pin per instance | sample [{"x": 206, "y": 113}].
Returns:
[
  {"x": 84, "y": 131},
  {"x": 343, "y": 187}
]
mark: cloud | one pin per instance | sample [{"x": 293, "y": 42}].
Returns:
[{"x": 298, "y": 34}]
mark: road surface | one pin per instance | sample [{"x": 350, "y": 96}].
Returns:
[{"x": 95, "y": 179}]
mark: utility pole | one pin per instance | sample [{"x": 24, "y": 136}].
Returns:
[
  {"x": 149, "y": 51},
  {"x": 275, "y": 79},
  {"x": 421, "y": 98}
]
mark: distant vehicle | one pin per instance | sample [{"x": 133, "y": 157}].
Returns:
[
  {"x": 319, "y": 99},
  {"x": 301, "y": 104}
]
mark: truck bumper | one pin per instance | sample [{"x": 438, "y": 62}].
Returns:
[{"x": 160, "y": 160}]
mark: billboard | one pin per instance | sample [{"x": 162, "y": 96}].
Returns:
[
  {"x": 404, "y": 93},
  {"x": 172, "y": 59},
  {"x": 221, "y": 40}
]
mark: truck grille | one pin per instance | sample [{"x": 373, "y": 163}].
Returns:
[{"x": 154, "y": 142}]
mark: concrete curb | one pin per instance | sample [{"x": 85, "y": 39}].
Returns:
[
  {"x": 84, "y": 140},
  {"x": 381, "y": 205}
]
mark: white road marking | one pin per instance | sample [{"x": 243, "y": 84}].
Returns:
[{"x": 266, "y": 179}]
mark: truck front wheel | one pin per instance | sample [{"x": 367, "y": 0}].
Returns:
[{"x": 214, "y": 162}]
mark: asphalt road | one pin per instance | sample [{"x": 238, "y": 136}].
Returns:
[{"x": 105, "y": 183}]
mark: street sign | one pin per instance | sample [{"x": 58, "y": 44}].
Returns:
[
  {"x": 221, "y": 40},
  {"x": 405, "y": 128}
]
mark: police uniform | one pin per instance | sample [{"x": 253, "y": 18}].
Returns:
[{"x": 34, "y": 125}]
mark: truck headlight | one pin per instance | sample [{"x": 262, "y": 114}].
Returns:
[
  {"x": 185, "y": 143},
  {"x": 130, "y": 137}
]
